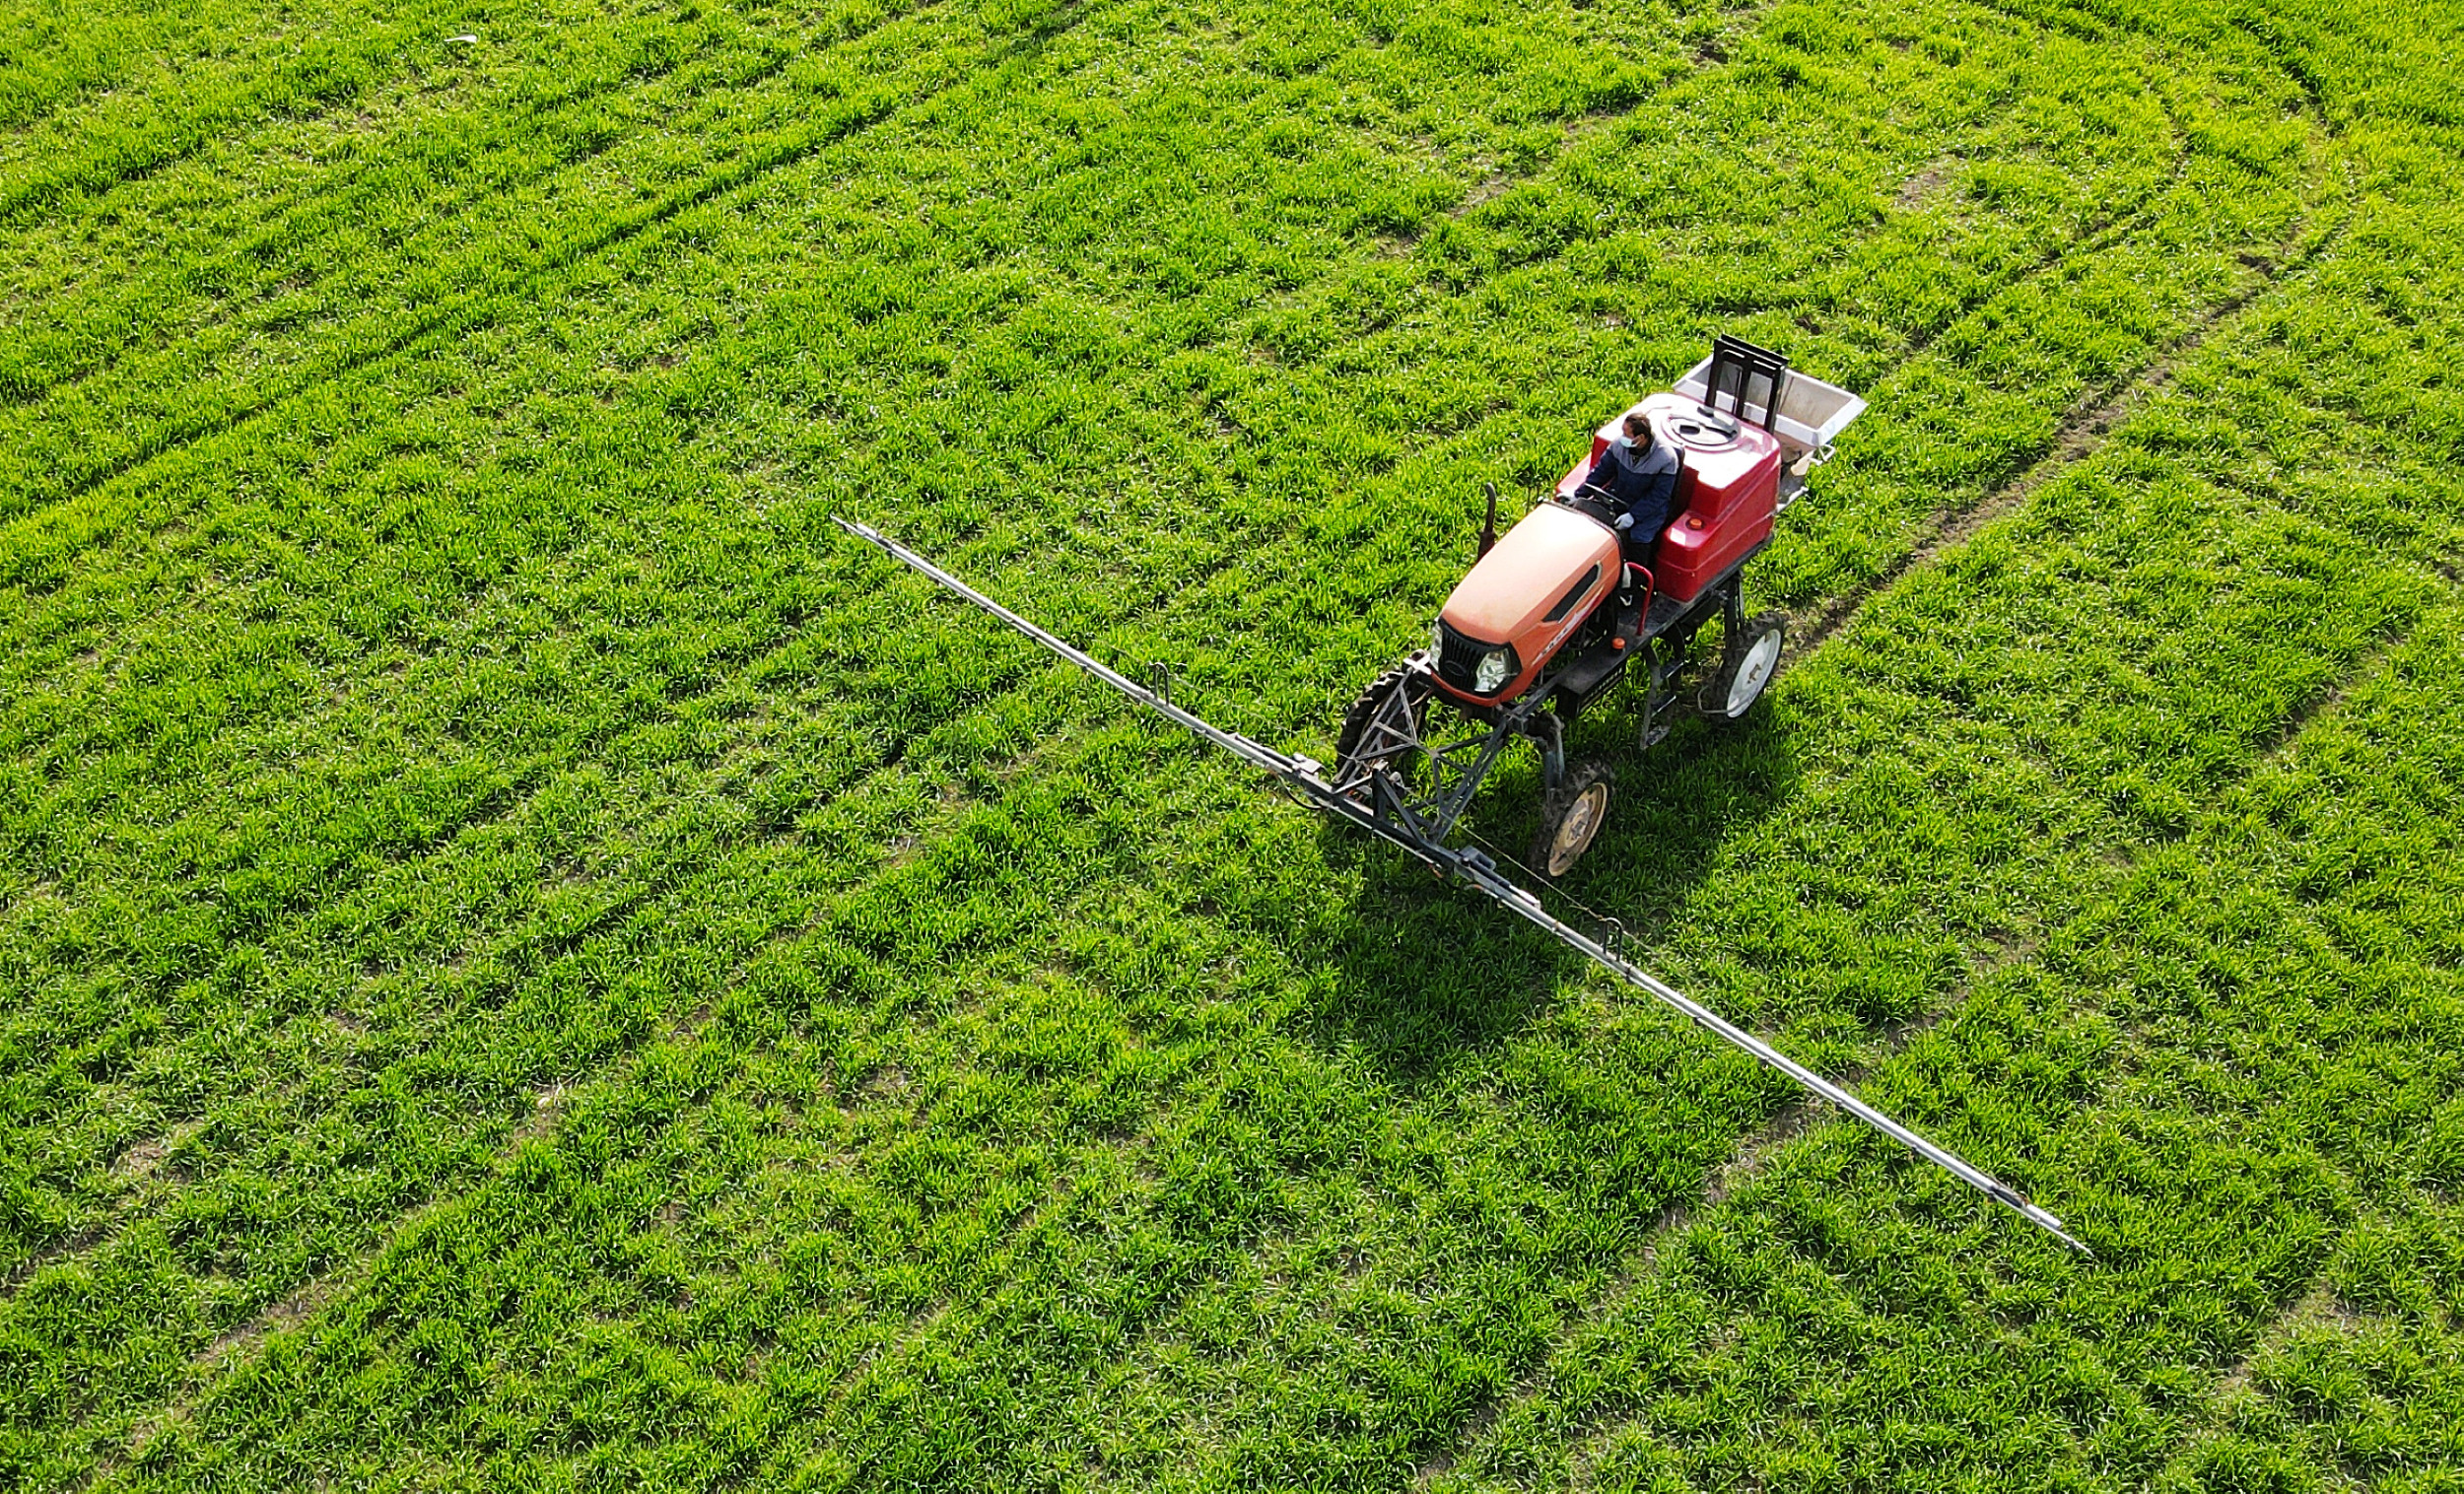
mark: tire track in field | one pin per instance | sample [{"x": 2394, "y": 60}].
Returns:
[
  {"x": 448, "y": 324},
  {"x": 2114, "y": 225},
  {"x": 2317, "y": 1306},
  {"x": 179, "y": 133},
  {"x": 294, "y": 86},
  {"x": 481, "y": 306},
  {"x": 100, "y": 175},
  {"x": 2084, "y": 431},
  {"x": 275, "y": 232},
  {"x": 2114, "y": 222},
  {"x": 2287, "y": 734},
  {"x": 2079, "y": 436},
  {"x": 458, "y": 319},
  {"x": 469, "y": 314},
  {"x": 2316, "y": 1302},
  {"x": 273, "y": 228}
]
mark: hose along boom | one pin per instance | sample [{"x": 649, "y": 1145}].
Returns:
[{"x": 1476, "y": 871}]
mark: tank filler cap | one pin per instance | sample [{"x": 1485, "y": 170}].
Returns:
[{"x": 1703, "y": 432}]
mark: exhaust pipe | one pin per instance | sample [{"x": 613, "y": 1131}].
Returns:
[{"x": 1488, "y": 530}]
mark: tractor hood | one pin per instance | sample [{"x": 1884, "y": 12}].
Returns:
[
  {"x": 1528, "y": 572},
  {"x": 1535, "y": 588}
]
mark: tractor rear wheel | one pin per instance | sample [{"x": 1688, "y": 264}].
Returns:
[
  {"x": 1569, "y": 819},
  {"x": 1382, "y": 723},
  {"x": 1749, "y": 658}
]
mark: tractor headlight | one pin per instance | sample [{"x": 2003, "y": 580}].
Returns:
[{"x": 1495, "y": 668}]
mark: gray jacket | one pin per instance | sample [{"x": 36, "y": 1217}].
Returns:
[{"x": 1641, "y": 482}]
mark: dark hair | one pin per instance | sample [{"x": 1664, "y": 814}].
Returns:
[{"x": 1636, "y": 424}]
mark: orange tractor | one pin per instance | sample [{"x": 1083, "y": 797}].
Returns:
[{"x": 1555, "y": 612}]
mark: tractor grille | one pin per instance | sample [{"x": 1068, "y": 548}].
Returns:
[{"x": 1458, "y": 656}]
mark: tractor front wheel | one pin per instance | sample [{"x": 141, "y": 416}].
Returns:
[
  {"x": 1749, "y": 658},
  {"x": 1569, "y": 820}
]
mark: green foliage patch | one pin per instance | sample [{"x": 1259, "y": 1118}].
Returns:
[{"x": 528, "y": 962}]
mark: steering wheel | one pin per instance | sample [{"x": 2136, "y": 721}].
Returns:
[{"x": 1607, "y": 501}]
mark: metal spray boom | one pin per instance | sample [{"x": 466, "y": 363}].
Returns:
[{"x": 1473, "y": 868}]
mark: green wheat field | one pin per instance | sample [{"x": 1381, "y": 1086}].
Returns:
[{"x": 529, "y": 961}]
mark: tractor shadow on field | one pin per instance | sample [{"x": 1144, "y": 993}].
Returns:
[{"x": 1426, "y": 970}]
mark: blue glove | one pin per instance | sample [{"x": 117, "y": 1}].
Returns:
[{"x": 1625, "y": 521}]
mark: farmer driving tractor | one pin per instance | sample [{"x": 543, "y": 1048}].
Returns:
[{"x": 1637, "y": 476}]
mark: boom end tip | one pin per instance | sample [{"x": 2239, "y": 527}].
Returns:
[{"x": 2053, "y": 1226}]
